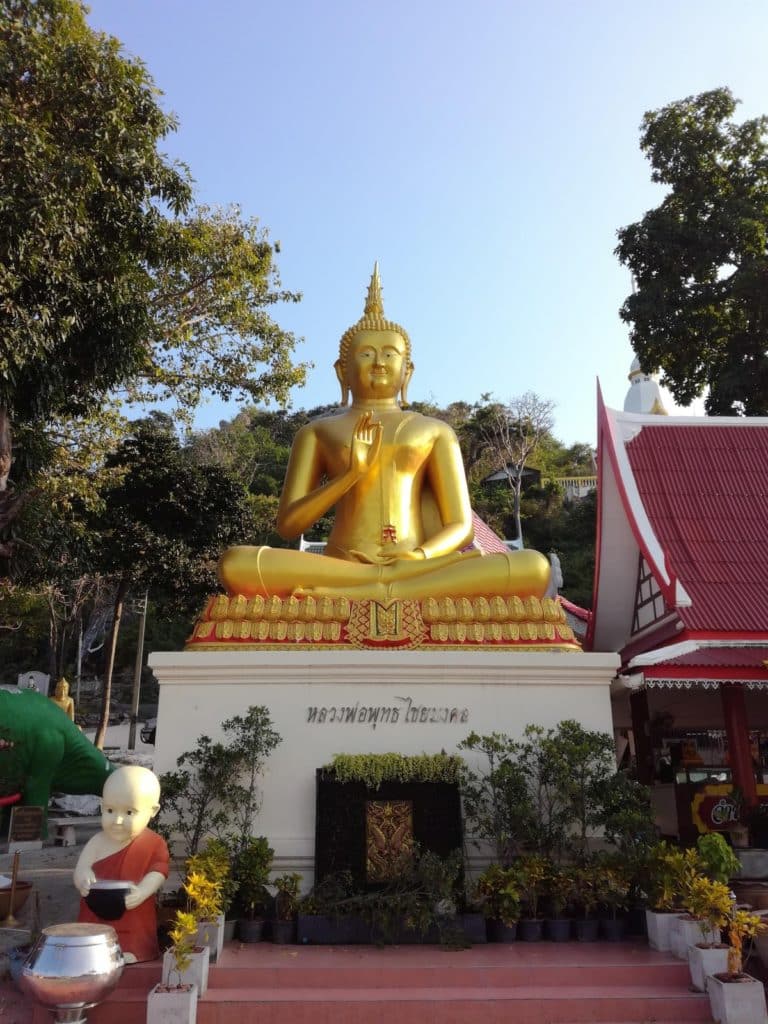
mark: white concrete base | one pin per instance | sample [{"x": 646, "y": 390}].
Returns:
[
  {"x": 658, "y": 926},
  {"x": 329, "y": 702},
  {"x": 704, "y": 961},
  {"x": 685, "y": 932},
  {"x": 176, "y": 1006},
  {"x": 738, "y": 1002}
]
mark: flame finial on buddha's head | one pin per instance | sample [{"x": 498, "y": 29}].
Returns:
[{"x": 373, "y": 319}]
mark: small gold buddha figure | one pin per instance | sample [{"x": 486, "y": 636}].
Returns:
[
  {"x": 396, "y": 480},
  {"x": 62, "y": 699}
]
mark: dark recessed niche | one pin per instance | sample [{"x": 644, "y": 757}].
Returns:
[{"x": 340, "y": 830}]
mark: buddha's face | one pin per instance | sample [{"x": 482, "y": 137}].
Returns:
[
  {"x": 128, "y": 803},
  {"x": 62, "y": 688},
  {"x": 376, "y": 364}
]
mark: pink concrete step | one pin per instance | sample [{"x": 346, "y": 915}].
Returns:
[{"x": 542, "y": 983}]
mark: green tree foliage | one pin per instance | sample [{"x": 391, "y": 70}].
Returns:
[
  {"x": 110, "y": 279},
  {"x": 540, "y": 794},
  {"x": 506, "y": 436},
  {"x": 163, "y": 526},
  {"x": 213, "y": 791},
  {"x": 700, "y": 258}
]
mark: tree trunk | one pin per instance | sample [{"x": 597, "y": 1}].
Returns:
[
  {"x": 518, "y": 520},
  {"x": 6, "y": 449},
  {"x": 106, "y": 697},
  {"x": 10, "y": 500}
]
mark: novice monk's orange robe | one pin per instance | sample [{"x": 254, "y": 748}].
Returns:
[{"x": 136, "y": 929}]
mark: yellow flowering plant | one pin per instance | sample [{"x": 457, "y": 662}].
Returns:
[
  {"x": 709, "y": 902},
  {"x": 204, "y": 896},
  {"x": 741, "y": 925},
  {"x": 183, "y": 935}
]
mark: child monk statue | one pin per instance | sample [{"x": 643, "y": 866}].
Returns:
[{"x": 126, "y": 850}]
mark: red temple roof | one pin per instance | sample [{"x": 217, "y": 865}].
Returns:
[
  {"x": 705, "y": 491},
  {"x": 688, "y": 495}
]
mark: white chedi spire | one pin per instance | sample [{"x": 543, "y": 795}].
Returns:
[{"x": 644, "y": 394}]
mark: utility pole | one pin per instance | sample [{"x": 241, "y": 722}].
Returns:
[{"x": 142, "y": 610}]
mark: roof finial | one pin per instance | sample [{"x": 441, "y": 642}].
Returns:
[{"x": 373, "y": 301}]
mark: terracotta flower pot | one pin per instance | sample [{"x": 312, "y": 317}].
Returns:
[{"x": 20, "y": 896}]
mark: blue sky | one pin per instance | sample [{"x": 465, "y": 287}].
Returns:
[{"x": 484, "y": 153}]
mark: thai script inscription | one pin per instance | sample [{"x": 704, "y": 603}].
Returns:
[
  {"x": 724, "y": 811},
  {"x": 406, "y": 712}
]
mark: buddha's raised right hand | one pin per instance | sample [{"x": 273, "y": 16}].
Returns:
[{"x": 366, "y": 444}]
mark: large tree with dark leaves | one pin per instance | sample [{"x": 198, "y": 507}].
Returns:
[
  {"x": 163, "y": 526},
  {"x": 109, "y": 278},
  {"x": 699, "y": 311}
]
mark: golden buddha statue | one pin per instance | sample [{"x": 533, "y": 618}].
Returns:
[
  {"x": 403, "y": 519},
  {"x": 62, "y": 699}
]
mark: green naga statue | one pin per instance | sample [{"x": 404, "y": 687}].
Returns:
[{"x": 43, "y": 751}]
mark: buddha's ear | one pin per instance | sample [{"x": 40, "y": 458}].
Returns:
[
  {"x": 339, "y": 368},
  {"x": 406, "y": 381}
]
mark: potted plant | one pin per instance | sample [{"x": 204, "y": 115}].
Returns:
[
  {"x": 736, "y": 997},
  {"x": 531, "y": 872},
  {"x": 498, "y": 891},
  {"x": 668, "y": 874},
  {"x": 558, "y": 890},
  {"x": 204, "y": 894},
  {"x": 184, "y": 977},
  {"x": 612, "y": 885},
  {"x": 288, "y": 888},
  {"x": 252, "y": 867},
  {"x": 324, "y": 913},
  {"x": 586, "y": 898},
  {"x": 709, "y": 904}
]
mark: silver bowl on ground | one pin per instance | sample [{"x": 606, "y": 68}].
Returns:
[{"x": 73, "y": 967}]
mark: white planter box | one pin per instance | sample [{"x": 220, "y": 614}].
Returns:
[
  {"x": 196, "y": 974},
  {"x": 705, "y": 961},
  {"x": 658, "y": 926},
  {"x": 177, "y": 1006},
  {"x": 686, "y": 932},
  {"x": 211, "y": 934},
  {"x": 737, "y": 1002}
]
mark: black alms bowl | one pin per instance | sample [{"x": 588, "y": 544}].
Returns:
[{"x": 107, "y": 899}]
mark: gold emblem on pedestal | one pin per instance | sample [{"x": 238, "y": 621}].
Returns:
[{"x": 480, "y": 622}]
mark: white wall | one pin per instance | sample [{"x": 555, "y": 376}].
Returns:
[{"x": 497, "y": 691}]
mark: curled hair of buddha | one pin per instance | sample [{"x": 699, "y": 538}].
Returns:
[{"x": 373, "y": 319}]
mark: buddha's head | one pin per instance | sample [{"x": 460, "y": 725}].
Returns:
[
  {"x": 62, "y": 689},
  {"x": 375, "y": 353},
  {"x": 129, "y": 800}
]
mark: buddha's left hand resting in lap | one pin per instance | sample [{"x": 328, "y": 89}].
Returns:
[{"x": 397, "y": 482}]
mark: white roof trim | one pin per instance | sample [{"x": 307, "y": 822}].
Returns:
[
  {"x": 627, "y": 426},
  {"x": 641, "y": 419},
  {"x": 661, "y": 654},
  {"x": 664, "y": 653}
]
